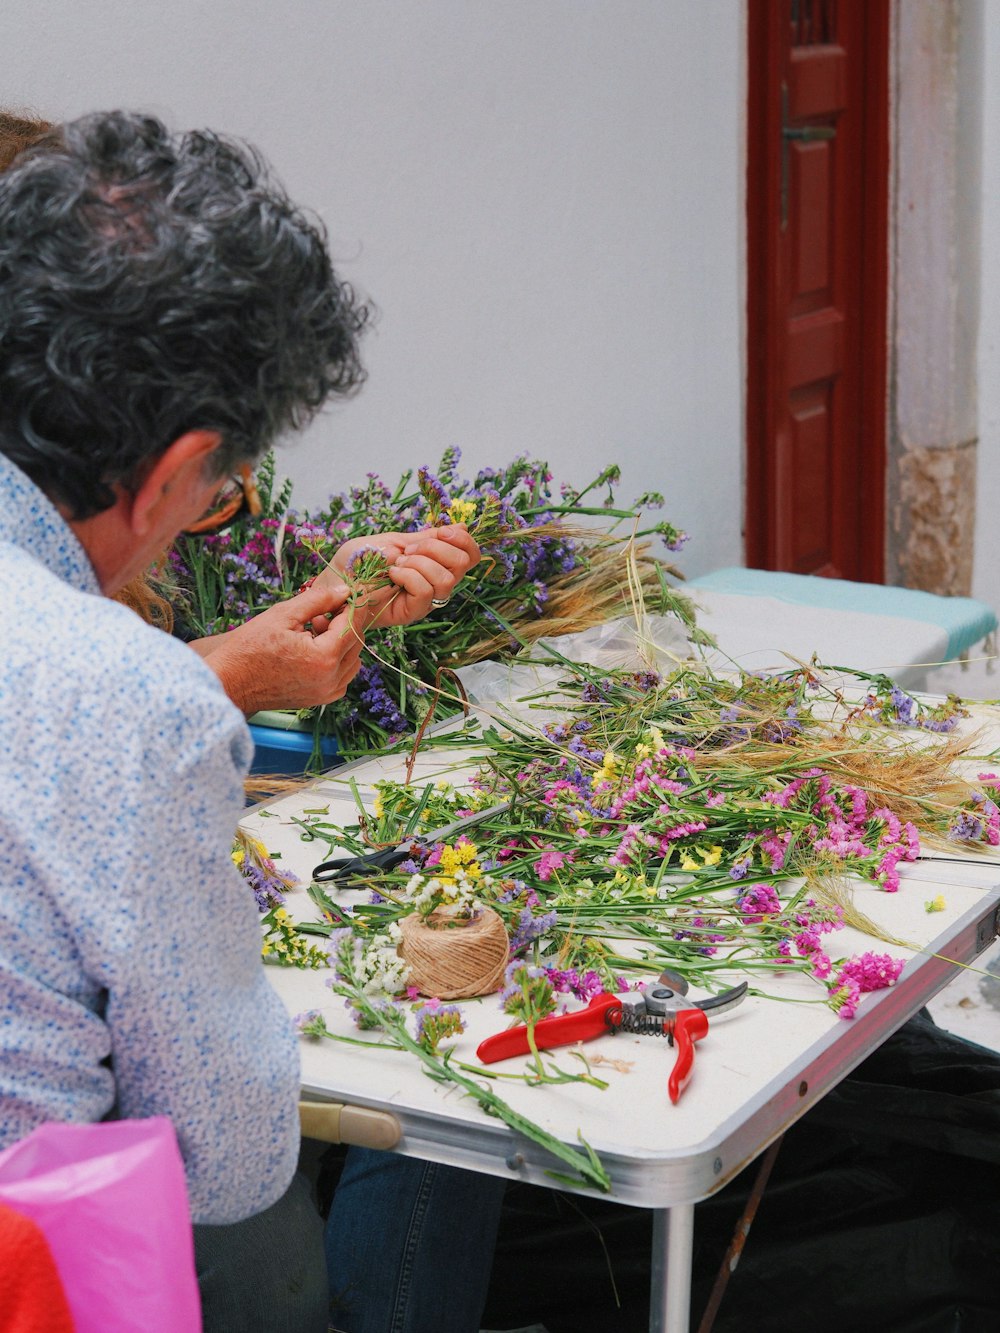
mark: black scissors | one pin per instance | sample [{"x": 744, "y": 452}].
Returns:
[{"x": 387, "y": 858}]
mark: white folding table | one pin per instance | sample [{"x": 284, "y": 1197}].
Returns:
[{"x": 758, "y": 1070}]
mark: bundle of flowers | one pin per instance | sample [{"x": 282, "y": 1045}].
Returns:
[{"x": 545, "y": 573}]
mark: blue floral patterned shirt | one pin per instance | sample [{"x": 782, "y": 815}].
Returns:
[{"x": 130, "y": 975}]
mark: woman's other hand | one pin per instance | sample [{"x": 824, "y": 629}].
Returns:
[
  {"x": 293, "y": 655},
  {"x": 425, "y": 567}
]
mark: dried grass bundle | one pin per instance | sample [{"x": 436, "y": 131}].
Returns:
[{"x": 594, "y": 592}]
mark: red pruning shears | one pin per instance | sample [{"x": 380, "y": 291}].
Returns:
[{"x": 663, "y": 1011}]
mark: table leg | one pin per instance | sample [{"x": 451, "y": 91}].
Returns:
[{"x": 670, "y": 1290}]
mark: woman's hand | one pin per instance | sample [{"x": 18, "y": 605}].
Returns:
[
  {"x": 424, "y": 567},
  {"x": 276, "y": 660}
]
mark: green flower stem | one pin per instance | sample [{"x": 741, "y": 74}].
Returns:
[{"x": 586, "y": 1166}]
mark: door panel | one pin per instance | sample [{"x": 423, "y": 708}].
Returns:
[{"x": 817, "y": 206}]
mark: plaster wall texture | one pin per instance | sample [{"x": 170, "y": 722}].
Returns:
[
  {"x": 544, "y": 201},
  {"x": 938, "y": 66},
  {"x": 986, "y": 572}
]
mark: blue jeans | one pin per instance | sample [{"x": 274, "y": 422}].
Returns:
[{"x": 409, "y": 1245}]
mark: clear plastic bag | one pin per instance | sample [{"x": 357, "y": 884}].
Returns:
[{"x": 529, "y": 690}]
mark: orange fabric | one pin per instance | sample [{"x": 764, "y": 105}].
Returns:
[{"x": 32, "y": 1299}]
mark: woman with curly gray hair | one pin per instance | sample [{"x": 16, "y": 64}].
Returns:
[{"x": 166, "y": 314}]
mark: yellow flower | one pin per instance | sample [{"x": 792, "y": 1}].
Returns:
[
  {"x": 462, "y": 511},
  {"x": 239, "y": 856},
  {"x": 377, "y": 805},
  {"x": 712, "y": 856},
  {"x": 608, "y": 770},
  {"x": 937, "y": 904},
  {"x": 688, "y": 862},
  {"x": 642, "y": 751},
  {"x": 449, "y": 862},
  {"x": 460, "y": 857}
]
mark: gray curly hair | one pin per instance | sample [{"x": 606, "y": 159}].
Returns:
[{"x": 152, "y": 284}]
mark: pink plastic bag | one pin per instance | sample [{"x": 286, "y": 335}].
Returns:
[{"x": 111, "y": 1200}]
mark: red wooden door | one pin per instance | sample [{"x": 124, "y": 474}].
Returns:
[{"x": 817, "y": 196}]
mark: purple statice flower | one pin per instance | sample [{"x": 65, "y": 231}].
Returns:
[
  {"x": 904, "y": 706},
  {"x": 527, "y": 994},
  {"x": 341, "y": 948},
  {"x": 701, "y": 927},
  {"x": 362, "y": 1020},
  {"x": 596, "y": 692},
  {"x": 448, "y": 466},
  {"x": 939, "y": 724},
  {"x": 780, "y": 733},
  {"x": 308, "y": 1023},
  {"x": 379, "y": 703},
  {"x": 358, "y": 557},
  {"x": 268, "y": 889},
  {"x": 529, "y": 928},
  {"x": 966, "y": 827},
  {"x": 436, "y": 1021},
  {"x": 514, "y": 890},
  {"x": 431, "y": 488},
  {"x": 740, "y": 867},
  {"x": 577, "y": 747},
  {"x": 673, "y": 538}
]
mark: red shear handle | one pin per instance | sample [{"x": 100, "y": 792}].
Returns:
[
  {"x": 690, "y": 1025},
  {"x": 558, "y": 1030}
]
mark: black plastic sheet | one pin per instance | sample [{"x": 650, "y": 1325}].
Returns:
[{"x": 882, "y": 1213}]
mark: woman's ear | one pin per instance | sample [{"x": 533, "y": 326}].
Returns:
[{"x": 182, "y": 463}]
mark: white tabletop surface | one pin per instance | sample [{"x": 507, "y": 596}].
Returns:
[{"x": 760, "y": 1067}]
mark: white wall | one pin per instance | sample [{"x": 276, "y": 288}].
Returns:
[
  {"x": 543, "y": 197},
  {"x": 986, "y": 572}
]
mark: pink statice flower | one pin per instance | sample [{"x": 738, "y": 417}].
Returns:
[
  {"x": 872, "y": 971},
  {"x": 758, "y": 902},
  {"x": 552, "y": 860},
  {"x": 844, "y": 996},
  {"x": 571, "y": 982}
]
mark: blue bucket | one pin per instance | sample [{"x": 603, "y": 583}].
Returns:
[{"x": 285, "y": 748}]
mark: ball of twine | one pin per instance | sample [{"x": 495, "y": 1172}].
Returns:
[{"x": 452, "y": 959}]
